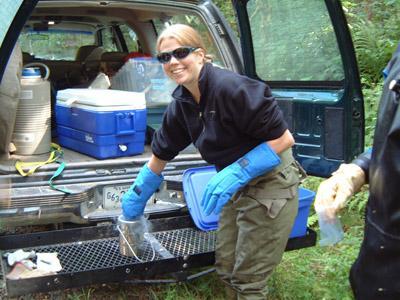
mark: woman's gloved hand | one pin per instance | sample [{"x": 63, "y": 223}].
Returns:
[
  {"x": 333, "y": 193},
  {"x": 228, "y": 181},
  {"x": 135, "y": 199}
]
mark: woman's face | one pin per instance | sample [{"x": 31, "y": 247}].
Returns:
[{"x": 183, "y": 71}]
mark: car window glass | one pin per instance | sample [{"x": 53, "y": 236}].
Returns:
[
  {"x": 198, "y": 24},
  {"x": 55, "y": 44},
  {"x": 294, "y": 41},
  {"x": 108, "y": 40},
  {"x": 8, "y": 10},
  {"x": 130, "y": 38}
]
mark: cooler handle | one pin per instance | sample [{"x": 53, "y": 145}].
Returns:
[{"x": 120, "y": 126}]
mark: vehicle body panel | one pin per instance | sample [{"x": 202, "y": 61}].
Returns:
[{"x": 325, "y": 116}]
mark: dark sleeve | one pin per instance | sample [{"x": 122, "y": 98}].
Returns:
[
  {"x": 363, "y": 161},
  {"x": 255, "y": 109},
  {"x": 172, "y": 137}
]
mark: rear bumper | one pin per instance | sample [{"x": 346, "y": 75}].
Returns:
[{"x": 80, "y": 208}]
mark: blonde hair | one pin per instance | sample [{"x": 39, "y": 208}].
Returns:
[{"x": 184, "y": 35}]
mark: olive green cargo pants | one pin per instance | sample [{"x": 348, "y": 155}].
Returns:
[{"x": 254, "y": 228}]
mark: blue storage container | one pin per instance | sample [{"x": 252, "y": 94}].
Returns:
[
  {"x": 101, "y": 146},
  {"x": 194, "y": 183},
  {"x": 101, "y": 123},
  {"x": 306, "y": 198}
]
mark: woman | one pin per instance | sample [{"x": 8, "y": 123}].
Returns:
[{"x": 236, "y": 125}]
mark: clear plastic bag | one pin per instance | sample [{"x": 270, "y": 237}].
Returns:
[{"x": 331, "y": 230}]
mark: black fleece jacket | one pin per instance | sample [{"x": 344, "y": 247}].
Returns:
[{"x": 235, "y": 114}]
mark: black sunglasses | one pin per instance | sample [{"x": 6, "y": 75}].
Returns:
[{"x": 178, "y": 53}]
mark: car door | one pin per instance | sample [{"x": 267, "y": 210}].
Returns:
[
  {"x": 303, "y": 51},
  {"x": 13, "y": 16}
]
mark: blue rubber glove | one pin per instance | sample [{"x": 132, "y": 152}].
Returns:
[
  {"x": 135, "y": 199},
  {"x": 224, "y": 184}
]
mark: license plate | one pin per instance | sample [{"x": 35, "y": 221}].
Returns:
[{"x": 112, "y": 196}]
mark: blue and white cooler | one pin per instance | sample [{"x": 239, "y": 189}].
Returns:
[{"x": 101, "y": 123}]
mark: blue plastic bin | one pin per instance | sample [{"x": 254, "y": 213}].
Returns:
[
  {"x": 194, "y": 183},
  {"x": 306, "y": 198}
]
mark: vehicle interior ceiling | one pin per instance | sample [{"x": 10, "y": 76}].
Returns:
[{"x": 91, "y": 16}]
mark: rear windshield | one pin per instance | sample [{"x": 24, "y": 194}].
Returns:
[{"x": 55, "y": 44}]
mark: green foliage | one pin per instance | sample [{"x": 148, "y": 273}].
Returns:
[
  {"x": 227, "y": 10},
  {"x": 319, "y": 272},
  {"x": 294, "y": 41},
  {"x": 85, "y": 294},
  {"x": 375, "y": 27},
  {"x": 208, "y": 287},
  {"x": 371, "y": 103},
  {"x": 312, "y": 184},
  {"x": 358, "y": 202}
]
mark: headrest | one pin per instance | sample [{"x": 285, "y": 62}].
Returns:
[
  {"x": 27, "y": 57},
  {"x": 113, "y": 56},
  {"x": 89, "y": 52}
]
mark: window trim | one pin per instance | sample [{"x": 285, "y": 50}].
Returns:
[{"x": 305, "y": 84}]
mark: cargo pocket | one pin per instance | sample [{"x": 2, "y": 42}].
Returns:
[
  {"x": 275, "y": 189},
  {"x": 273, "y": 206}
]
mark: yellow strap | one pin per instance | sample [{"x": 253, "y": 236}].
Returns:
[{"x": 55, "y": 153}]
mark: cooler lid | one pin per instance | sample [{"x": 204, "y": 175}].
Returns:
[
  {"x": 194, "y": 183},
  {"x": 101, "y": 98}
]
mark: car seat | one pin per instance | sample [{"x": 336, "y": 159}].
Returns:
[
  {"x": 89, "y": 52},
  {"x": 27, "y": 57},
  {"x": 89, "y": 56},
  {"x": 112, "y": 61}
]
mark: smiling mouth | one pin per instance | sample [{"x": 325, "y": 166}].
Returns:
[{"x": 177, "y": 71}]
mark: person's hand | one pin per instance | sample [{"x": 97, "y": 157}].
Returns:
[
  {"x": 135, "y": 199},
  {"x": 220, "y": 189},
  {"x": 228, "y": 181},
  {"x": 334, "y": 192}
]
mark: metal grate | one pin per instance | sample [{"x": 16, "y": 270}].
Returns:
[
  {"x": 187, "y": 241},
  {"x": 104, "y": 253}
]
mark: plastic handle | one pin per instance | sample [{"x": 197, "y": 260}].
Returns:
[
  {"x": 40, "y": 65},
  {"x": 70, "y": 101},
  {"x": 120, "y": 123},
  {"x": 123, "y": 148}
]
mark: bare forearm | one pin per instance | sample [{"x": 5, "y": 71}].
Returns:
[
  {"x": 156, "y": 165},
  {"x": 285, "y": 141}
]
